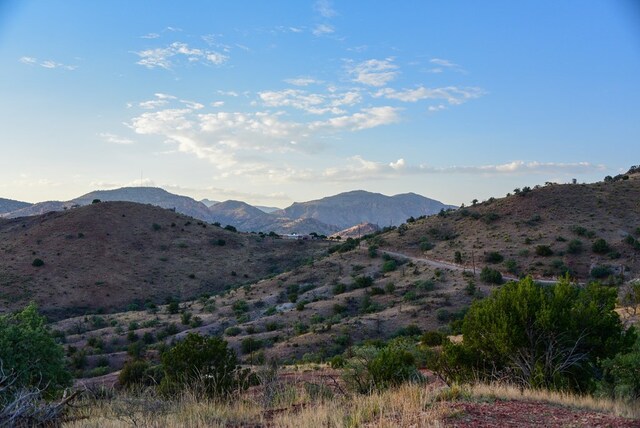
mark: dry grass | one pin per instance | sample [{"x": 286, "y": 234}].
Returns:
[
  {"x": 585, "y": 402},
  {"x": 408, "y": 405}
]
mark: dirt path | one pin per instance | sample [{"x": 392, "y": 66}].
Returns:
[{"x": 440, "y": 264}]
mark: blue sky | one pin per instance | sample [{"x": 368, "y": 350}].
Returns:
[{"x": 281, "y": 101}]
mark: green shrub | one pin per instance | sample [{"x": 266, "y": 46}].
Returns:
[
  {"x": 426, "y": 245},
  {"x": 37, "y": 262},
  {"x": 544, "y": 251},
  {"x": 136, "y": 373},
  {"x": 204, "y": 364},
  {"x": 362, "y": 281},
  {"x": 250, "y": 344},
  {"x": 490, "y": 276},
  {"x": 600, "y": 272},
  {"x": 493, "y": 257},
  {"x": 371, "y": 368},
  {"x": 232, "y": 331},
  {"x": 574, "y": 246},
  {"x": 156, "y": 227},
  {"x": 389, "y": 266},
  {"x": 29, "y": 353},
  {"x": 432, "y": 338},
  {"x": 600, "y": 246},
  {"x": 534, "y": 335},
  {"x": 621, "y": 375},
  {"x": 240, "y": 306},
  {"x": 339, "y": 289}
]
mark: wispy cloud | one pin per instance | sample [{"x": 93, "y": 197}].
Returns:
[
  {"x": 373, "y": 72},
  {"x": 357, "y": 168},
  {"x": 452, "y": 94},
  {"x": 150, "y": 36},
  {"x": 50, "y": 64},
  {"x": 114, "y": 139},
  {"x": 166, "y": 57},
  {"x": 364, "y": 119},
  {"x": 302, "y": 81},
  {"x": 324, "y": 8},
  {"x": 440, "y": 65},
  {"x": 322, "y": 29},
  {"x": 310, "y": 102}
]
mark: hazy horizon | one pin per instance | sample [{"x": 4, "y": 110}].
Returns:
[{"x": 276, "y": 102}]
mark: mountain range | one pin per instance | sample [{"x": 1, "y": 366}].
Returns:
[{"x": 325, "y": 216}]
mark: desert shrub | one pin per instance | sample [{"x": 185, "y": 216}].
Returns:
[
  {"x": 370, "y": 368},
  {"x": 425, "y": 285},
  {"x": 600, "y": 272},
  {"x": 544, "y": 251},
  {"x": 493, "y": 257},
  {"x": 30, "y": 354},
  {"x": 471, "y": 288},
  {"x": 574, "y": 246},
  {"x": 490, "y": 276},
  {"x": 300, "y": 328},
  {"x": 204, "y": 364},
  {"x": 139, "y": 373},
  {"x": 37, "y": 262},
  {"x": 542, "y": 336},
  {"x": 443, "y": 315},
  {"x": 250, "y": 344},
  {"x": 339, "y": 289},
  {"x": 600, "y": 246},
  {"x": 457, "y": 258},
  {"x": 490, "y": 217},
  {"x": 390, "y": 288},
  {"x": 512, "y": 266},
  {"x": 230, "y": 228},
  {"x": 410, "y": 330},
  {"x": 425, "y": 245},
  {"x": 432, "y": 338},
  {"x": 173, "y": 307},
  {"x": 373, "y": 251},
  {"x": 389, "y": 266},
  {"x": 376, "y": 291},
  {"x": 240, "y": 307},
  {"x": 156, "y": 227},
  {"x": 232, "y": 331},
  {"x": 621, "y": 375},
  {"x": 362, "y": 281}
]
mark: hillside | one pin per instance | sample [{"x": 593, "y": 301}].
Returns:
[
  {"x": 544, "y": 232},
  {"x": 107, "y": 256},
  {"x": 8, "y": 205},
  {"x": 348, "y": 209},
  {"x": 150, "y": 195}
]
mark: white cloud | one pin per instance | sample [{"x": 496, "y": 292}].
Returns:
[
  {"x": 310, "y": 102},
  {"x": 322, "y": 29},
  {"x": 150, "y": 36},
  {"x": 452, "y": 94},
  {"x": 364, "y": 119},
  {"x": 165, "y": 57},
  {"x": 28, "y": 60},
  {"x": 302, "y": 81},
  {"x": 50, "y": 64},
  {"x": 114, "y": 139},
  {"x": 358, "y": 168},
  {"x": 228, "y": 93},
  {"x": 217, "y": 104},
  {"x": 373, "y": 72},
  {"x": 442, "y": 62},
  {"x": 295, "y": 29},
  {"x": 324, "y": 8}
]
